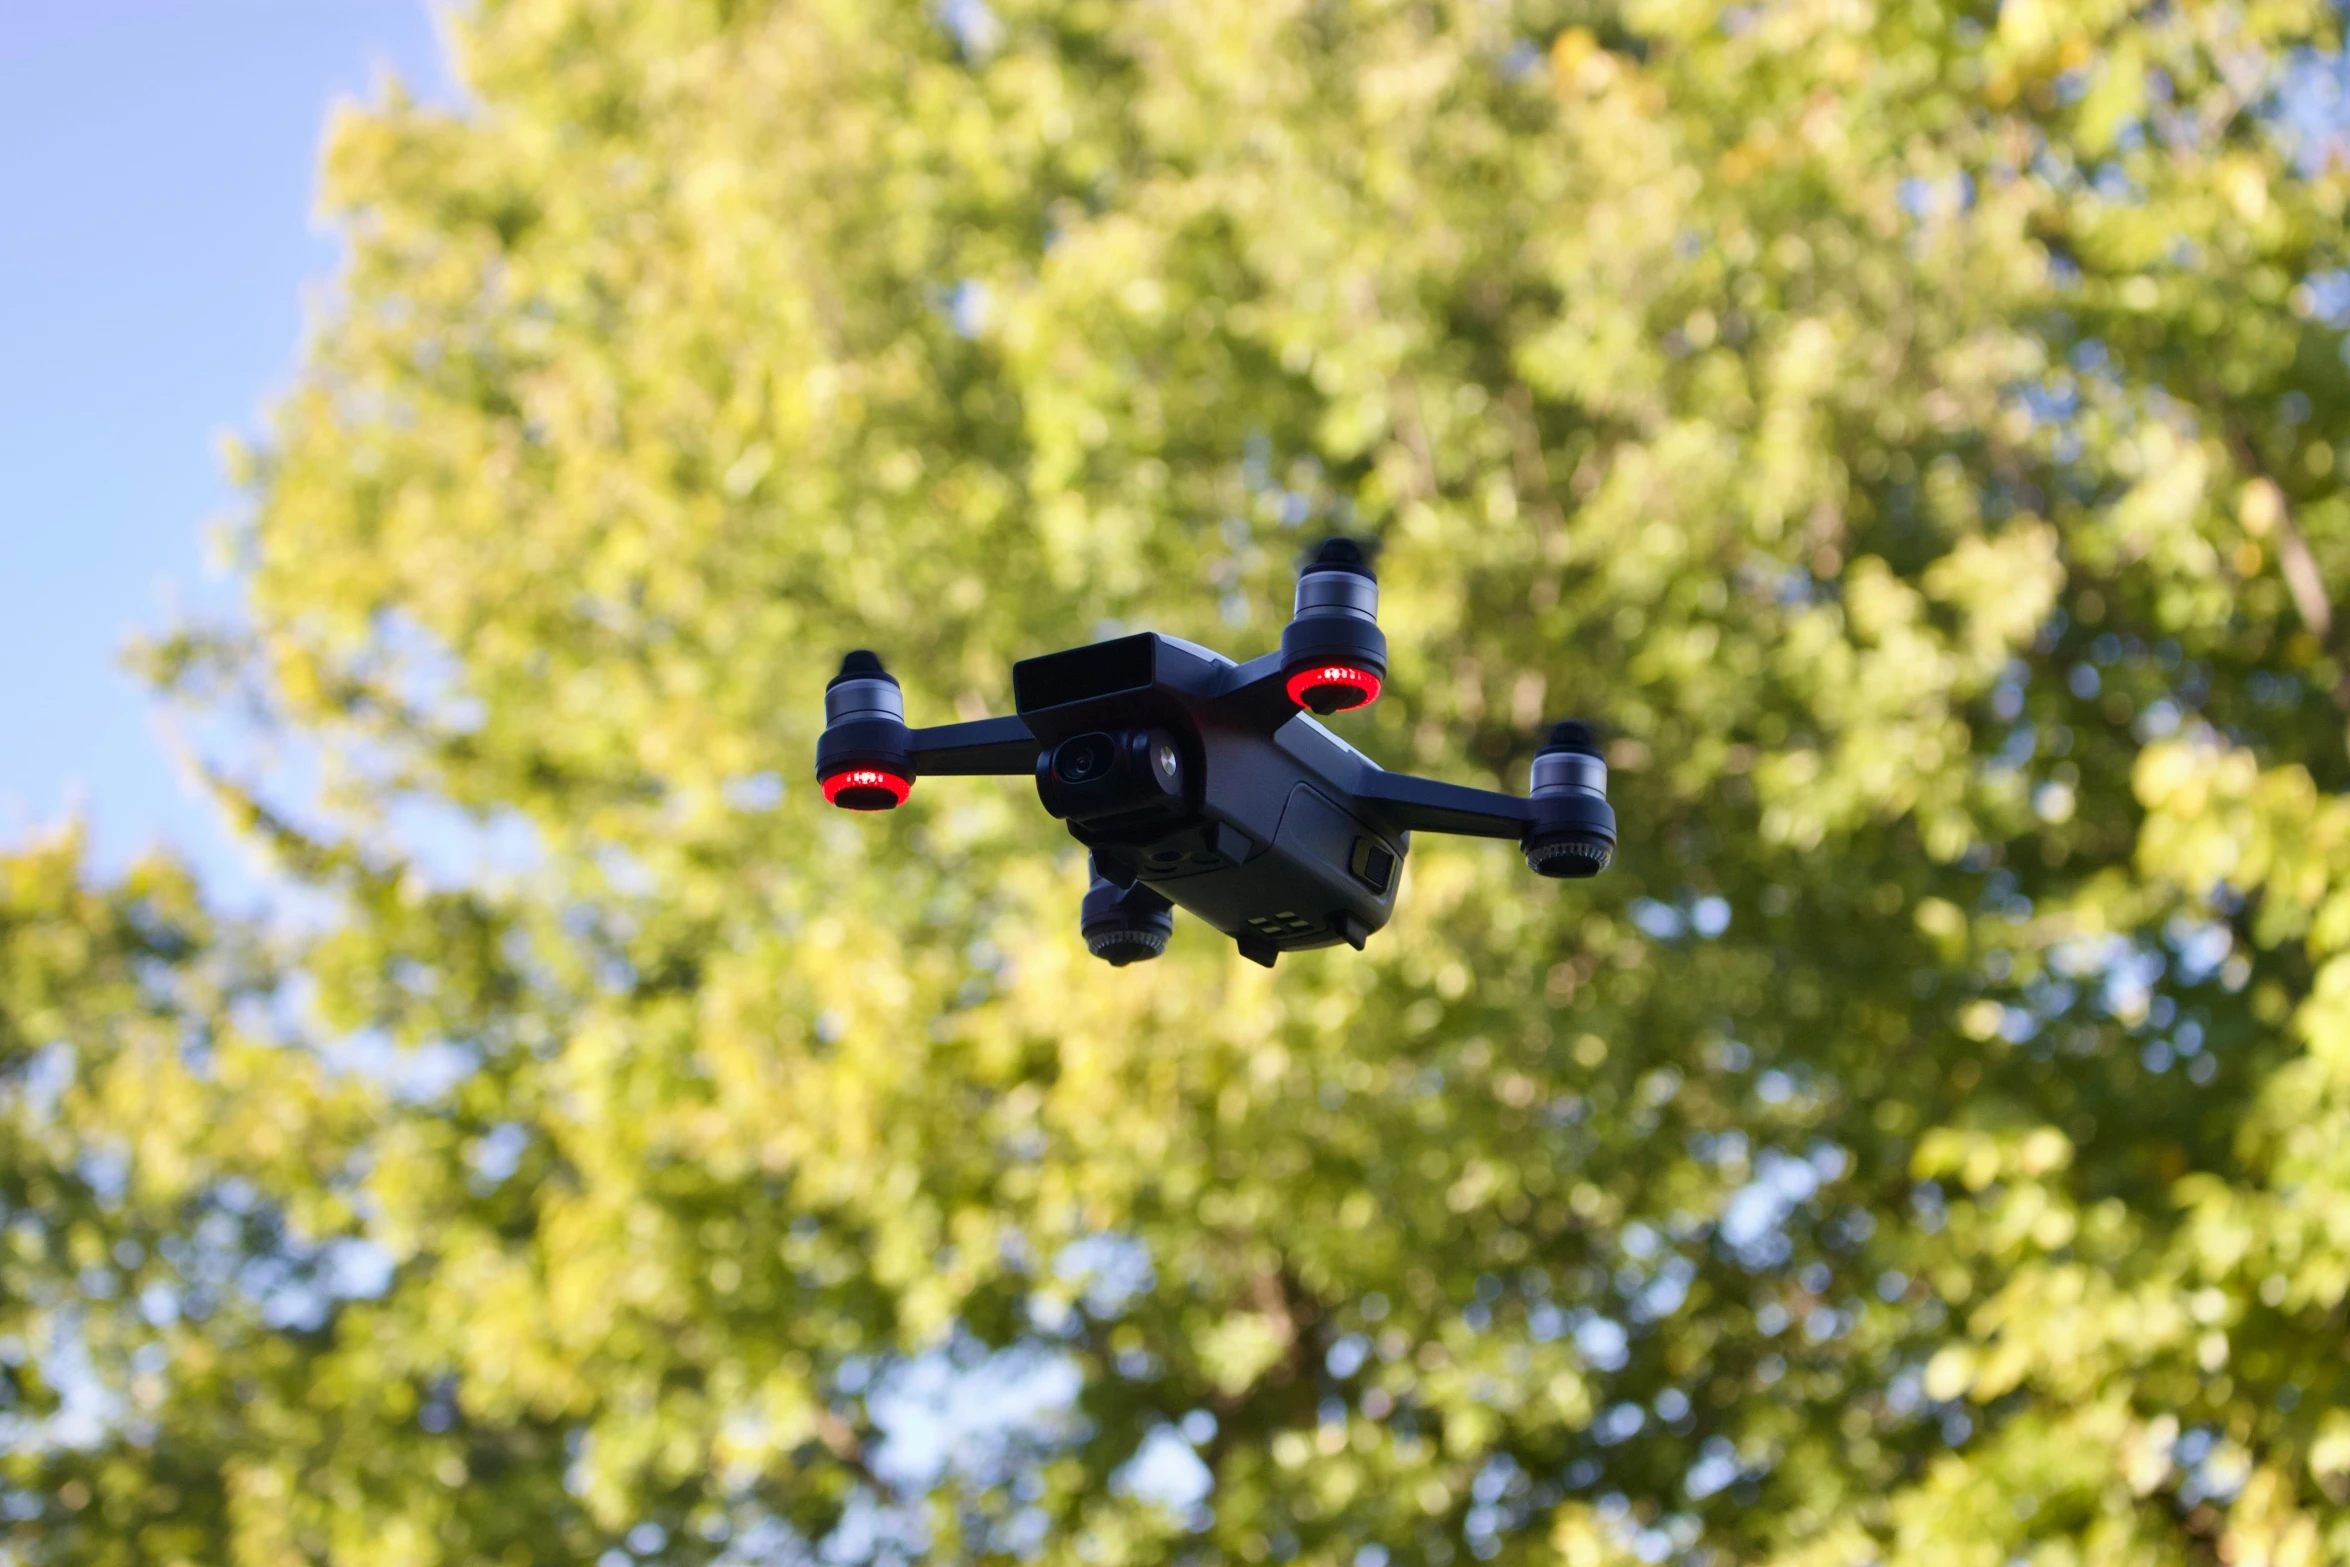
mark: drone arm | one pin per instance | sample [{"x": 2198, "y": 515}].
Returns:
[
  {"x": 984, "y": 748},
  {"x": 1257, "y": 693},
  {"x": 1425, "y": 805}
]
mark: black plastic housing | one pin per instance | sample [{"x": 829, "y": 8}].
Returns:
[
  {"x": 1123, "y": 925},
  {"x": 1332, "y": 640},
  {"x": 1196, "y": 781},
  {"x": 1263, "y": 842},
  {"x": 1334, "y": 625},
  {"x": 1574, "y": 831},
  {"x": 865, "y": 728}
]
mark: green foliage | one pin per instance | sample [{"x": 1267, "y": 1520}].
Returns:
[{"x": 1911, "y": 429}]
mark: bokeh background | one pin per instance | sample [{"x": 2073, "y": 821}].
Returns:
[{"x": 512, "y": 1120}]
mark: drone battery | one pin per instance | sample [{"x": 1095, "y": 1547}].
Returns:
[{"x": 1311, "y": 886}]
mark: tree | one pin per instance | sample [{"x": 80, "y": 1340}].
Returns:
[{"x": 1909, "y": 429}]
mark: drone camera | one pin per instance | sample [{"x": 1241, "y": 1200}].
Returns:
[
  {"x": 1333, "y": 654},
  {"x": 1105, "y": 774},
  {"x": 1574, "y": 832},
  {"x": 864, "y": 759},
  {"x": 1084, "y": 759}
]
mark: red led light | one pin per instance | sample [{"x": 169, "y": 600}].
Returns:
[
  {"x": 1333, "y": 688},
  {"x": 866, "y": 789}
]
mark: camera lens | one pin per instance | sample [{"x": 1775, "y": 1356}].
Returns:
[{"x": 1083, "y": 759}]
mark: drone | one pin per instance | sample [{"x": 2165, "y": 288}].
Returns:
[{"x": 1198, "y": 781}]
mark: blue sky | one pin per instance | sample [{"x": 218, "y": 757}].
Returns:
[{"x": 158, "y": 162}]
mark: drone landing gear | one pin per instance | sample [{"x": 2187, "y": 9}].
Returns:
[{"x": 1349, "y": 929}]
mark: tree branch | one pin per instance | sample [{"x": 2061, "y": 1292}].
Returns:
[
  {"x": 1404, "y": 411},
  {"x": 1279, "y": 1296},
  {"x": 847, "y": 1445},
  {"x": 2297, "y": 565}
]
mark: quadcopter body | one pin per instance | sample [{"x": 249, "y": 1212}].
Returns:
[{"x": 1198, "y": 781}]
